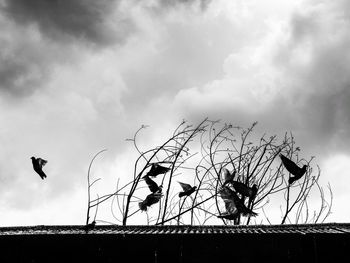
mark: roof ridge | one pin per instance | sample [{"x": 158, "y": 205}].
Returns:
[
  {"x": 331, "y": 224},
  {"x": 327, "y": 228}
]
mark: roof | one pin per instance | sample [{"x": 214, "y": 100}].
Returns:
[{"x": 329, "y": 228}]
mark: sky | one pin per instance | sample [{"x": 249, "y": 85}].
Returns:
[{"x": 80, "y": 76}]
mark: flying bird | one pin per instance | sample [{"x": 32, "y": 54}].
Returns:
[
  {"x": 293, "y": 169},
  {"x": 151, "y": 199},
  {"x": 157, "y": 169},
  {"x": 152, "y": 185},
  {"x": 231, "y": 212},
  {"x": 232, "y": 198},
  {"x": 187, "y": 189},
  {"x": 38, "y": 164},
  {"x": 227, "y": 176},
  {"x": 244, "y": 189}
]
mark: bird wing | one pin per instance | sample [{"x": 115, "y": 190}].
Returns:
[
  {"x": 230, "y": 206},
  {"x": 152, "y": 185},
  {"x": 245, "y": 211},
  {"x": 290, "y": 165},
  {"x": 157, "y": 169},
  {"x": 185, "y": 187},
  {"x": 42, "y": 174},
  {"x": 152, "y": 199},
  {"x": 225, "y": 175},
  {"x": 41, "y": 162},
  {"x": 254, "y": 190},
  {"x": 297, "y": 176},
  {"x": 242, "y": 188},
  {"x": 233, "y": 203},
  {"x": 225, "y": 193}
]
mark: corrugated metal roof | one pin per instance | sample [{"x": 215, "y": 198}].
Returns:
[{"x": 330, "y": 228}]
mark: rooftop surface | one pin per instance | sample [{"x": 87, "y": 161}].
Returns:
[{"x": 329, "y": 228}]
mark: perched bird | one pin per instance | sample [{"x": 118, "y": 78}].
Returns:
[
  {"x": 152, "y": 185},
  {"x": 232, "y": 198},
  {"x": 187, "y": 189},
  {"x": 151, "y": 199},
  {"x": 293, "y": 169},
  {"x": 157, "y": 169},
  {"x": 90, "y": 226},
  {"x": 227, "y": 176},
  {"x": 38, "y": 164}
]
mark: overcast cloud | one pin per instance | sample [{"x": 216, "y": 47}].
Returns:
[{"x": 80, "y": 76}]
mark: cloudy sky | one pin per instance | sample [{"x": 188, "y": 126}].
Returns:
[{"x": 80, "y": 76}]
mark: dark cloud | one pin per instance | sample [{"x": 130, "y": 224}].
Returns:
[
  {"x": 20, "y": 78},
  {"x": 27, "y": 53},
  {"x": 100, "y": 22},
  {"x": 325, "y": 122},
  {"x": 203, "y": 4},
  {"x": 38, "y": 35},
  {"x": 320, "y": 33},
  {"x": 79, "y": 19},
  {"x": 23, "y": 60}
]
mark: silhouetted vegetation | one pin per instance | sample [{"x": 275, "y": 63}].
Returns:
[{"x": 218, "y": 173}]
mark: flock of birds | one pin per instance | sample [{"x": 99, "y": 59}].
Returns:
[
  {"x": 231, "y": 191},
  {"x": 156, "y": 191}
]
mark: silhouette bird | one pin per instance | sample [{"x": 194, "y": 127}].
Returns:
[
  {"x": 245, "y": 190},
  {"x": 293, "y": 169},
  {"x": 231, "y": 212},
  {"x": 187, "y": 189},
  {"x": 90, "y": 226},
  {"x": 38, "y": 164},
  {"x": 152, "y": 185},
  {"x": 232, "y": 198},
  {"x": 157, "y": 169},
  {"x": 151, "y": 199},
  {"x": 227, "y": 176}
]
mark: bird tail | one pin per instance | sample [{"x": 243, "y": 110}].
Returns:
[
  {"x": 291, "y": 180},
  {"x": 42, "y": 175},
  {"x": 249, "y": 212},
  {"x": 181, "y": 194},
  {"x": 250, "y": 201},
  {"x": 253, "y": 213},
  {"x": 142, "y": 206}
]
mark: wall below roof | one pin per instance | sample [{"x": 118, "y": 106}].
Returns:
[{"x": 175, "y": 248}]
